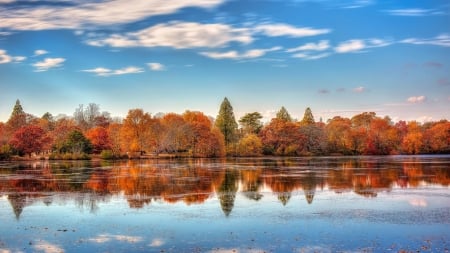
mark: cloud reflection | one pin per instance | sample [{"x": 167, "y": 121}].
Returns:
[
  {"x": 104, "y": 238},
  {"x": 48, "y": 247},
  {"x": 157, "y": 242},
  {"x": 418, "y": 202}
]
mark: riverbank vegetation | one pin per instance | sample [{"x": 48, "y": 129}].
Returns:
[{"x": 90, "y": 132}]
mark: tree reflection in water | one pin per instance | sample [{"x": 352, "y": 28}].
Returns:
[{"x": 195, "y": 181}]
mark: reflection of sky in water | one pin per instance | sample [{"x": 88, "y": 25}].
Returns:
[{"x": 415, "y": 218}]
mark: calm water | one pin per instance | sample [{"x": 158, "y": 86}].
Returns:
[{"x": 345, "y": 204}]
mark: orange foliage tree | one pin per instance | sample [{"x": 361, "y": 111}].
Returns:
[
  {"x": 29, "y": 139},
  {"x": 99, "y": 138}
]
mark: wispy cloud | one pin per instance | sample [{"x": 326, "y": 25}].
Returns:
[
  {"x": 99, "y": 13},
  {"x": 100, "y": 71},
  {"x": 320, "y": 46},
  {"x": 177, "y": 35},
  {"x": 414, "y": 12},
  {"x": 440, "y": 40},
  {"x": 418, "y": 99},
  {"x": 277, "y": 29},
  {"x": 48, "y": 63},
  {"x": 40, "y": 52},
  {"x": 358, "y": 4},
  {"x": 350, "y": 46},
  {"x": 234, "y": 55},
  {"x": 156, "y": 66},
  {"x": 6, "y": 58},
  {"x": 358, "y": 45},
  {"x": 359, "y": 89},
  {"x": 308, "y": 56}
]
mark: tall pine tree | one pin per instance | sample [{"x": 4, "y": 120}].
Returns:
[
  {"x": 226, "y": 122},
  {"x": 283, "y": 114},
  {"x": 308, "y": 118},
  {"x": 18, "y": 117}
]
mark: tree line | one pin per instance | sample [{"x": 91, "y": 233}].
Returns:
[{"x": 193, "y": 134}]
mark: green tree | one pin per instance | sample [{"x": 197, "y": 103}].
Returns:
[
  {"x": 77, "y": 143},
  {"x": 308, "y": 118},
  {"x": 251, "y": 123},
  {"x": 226, "y": 122},
  {"x": 283, "y": 114},
  {"x": 18, "y": 117}
]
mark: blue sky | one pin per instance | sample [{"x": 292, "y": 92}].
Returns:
[{"x": 337, "y": 57}]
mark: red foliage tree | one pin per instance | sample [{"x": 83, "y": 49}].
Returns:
[
  {"x": 29, "y": 139},
  {"x": 99, "y": 138}
]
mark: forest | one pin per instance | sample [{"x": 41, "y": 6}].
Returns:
[{"x": 92, "y": 133}]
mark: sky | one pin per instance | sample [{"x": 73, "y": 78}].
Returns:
[{"x": 338, "y": 57}]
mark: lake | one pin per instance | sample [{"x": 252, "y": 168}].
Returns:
[{"x": 320, "y": 204}]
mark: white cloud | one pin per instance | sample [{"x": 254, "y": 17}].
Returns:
[
  {"x": 254, "y": 53},
  {"x": 350, "y": 46},
  {"x": 5, "y": 58},
  {"x": 275, "y": 30},
  {"x": 440, "y": 40},
  {"x": 48, "y": 247},
  {"x": 418, "y": 99},
  {"x": 413, "y": 12},
  {"x": 6, "y": 1},
  {"x": 19, "y": 58},
  {"x": 359, "y": 89},
  {"x": 109, "y": 72},
  {"x": 40, "y": 52},
  {"x": 358, "y": 45},
  {"x": 320, "y": 46},
  {"x": 48, "y": 63},
  {"x": 99, "y": 13},
  {"x": 178, "y": 35},
  {"x": 358, "y": 4},
  {"x": 155, "y": 66},
  {"x": 307, "y": 56},
  {"x": 5, "y": 33}
]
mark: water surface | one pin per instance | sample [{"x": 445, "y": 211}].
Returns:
[{"x": 328, "y": 204}]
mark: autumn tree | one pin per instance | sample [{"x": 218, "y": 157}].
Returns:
[
  {"x": 281, "y": 137},
  {"x": 250, "y": 145},
  {"x": 174, "y": 138},
  {"x": 412, "y": 143},
  {"x": 114, "y": 130},
  {"x": 29, "y": 139},
  {"x": 338, "y": 131},
  {"x": 226, "y": 122},
  {"x": 203, "y": 139},
  {"x": 436, "y": 139},
  {"x": 99, "y": 138},
  {"x": 136, "y": 131},
  {"x": 283, "y": 115},
  {"x": 251, "y": 123},
  {"x": 382, "y": 137},
  {"x": 63, "y": 127}
]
